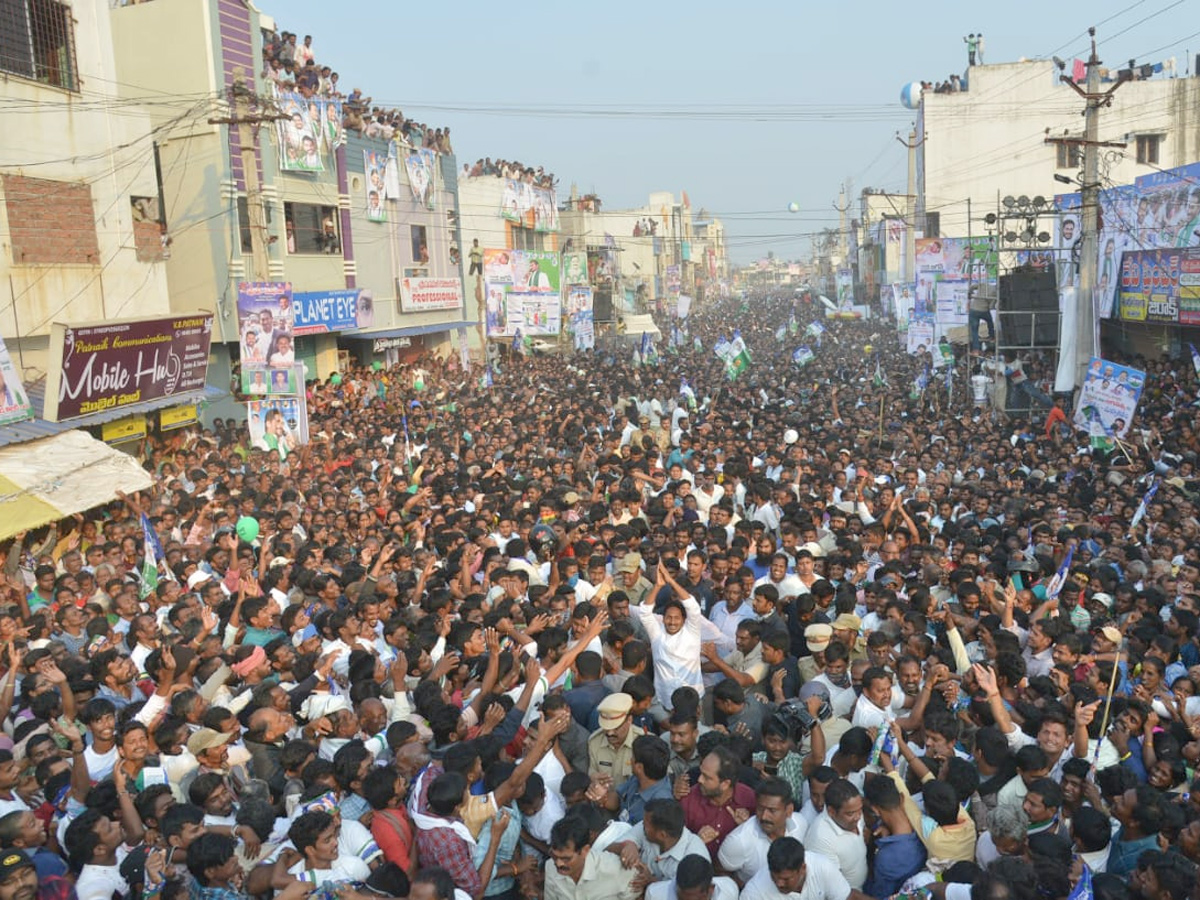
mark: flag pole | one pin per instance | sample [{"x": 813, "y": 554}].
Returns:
[
  {"x": 1112, "y": 687},
  {"x": 881, "y": 403}
]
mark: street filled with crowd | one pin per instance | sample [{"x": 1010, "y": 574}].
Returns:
[{"x": 585, "y": 628}]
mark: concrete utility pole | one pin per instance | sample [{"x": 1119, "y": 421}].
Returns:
[
  {"x": 908, "y": 274},
  {"x": 248, "y": 113},
  {"x": 1086, "y": 345}
]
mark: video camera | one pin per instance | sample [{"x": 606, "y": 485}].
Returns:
[{"x": 795, "y": 717}]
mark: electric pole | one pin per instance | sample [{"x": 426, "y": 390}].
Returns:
[
  {"x": 910, "y": 208},
  {"x": 247, "y": 114},
  {"x": 1086, "y": 345}
]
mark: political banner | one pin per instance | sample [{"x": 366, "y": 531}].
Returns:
[
  {"x": 545, "y": 210},
  {"x": 14, "y": 402},
  {"x": 424, "y": 294},
  {"x": 961, "y": 261},
  {"x": 674, "y": 280},
  {"x": 1108, "y": 398},
  {"x": 391, "y": 173},
  {"x": 1189, "y": 288},
  {"x": 844, "y": 282},
  {"x": 683, "y": 306},
  {"x": 278, "y": 425},
  {"x": 950, "y": 301},
  {"x": 270, "y": 382},
  {"x": 583, "y": 327},
  {"x": 579, "y": 298},
  {"x": 421, "y": 166},
  {"x": 902, "y": 298},
  {"x": 1149, "y": 289},
  {"x": 535, "y": 270},
  {"x": 101, "y": 366},
  {"x": 310, "y": 133},
  {"x": 528, "y": 297},
  {"x": 1159, "y": 211},
  {"x": 497, "y": 266},
  {"x": 516, "y": 199},
  {"x": 531, "y": 314},
  {"x": 265, "y": 323},
  {"x": 574, "y": 268},
  {"x": 375, "y": 174},
  {"x": 920, "y": 333},
  {"x": 802, "y": 356},
  {"x": 324, "y": 312},
  {"x": 887, "y": 299}
]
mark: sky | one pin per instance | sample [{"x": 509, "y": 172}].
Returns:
[{"x": 749, "y": 107}]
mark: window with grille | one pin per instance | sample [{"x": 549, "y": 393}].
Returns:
[
  {"x": 311, "y": 229},
  {"x": 1070, "y": 156},
  {"x": 37, "y": 42},
  {"x": 1147, "y": 149},
  {"x": 527, "y": 239}
]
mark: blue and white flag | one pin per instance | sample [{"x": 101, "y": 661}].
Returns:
[
  {"x": 153, "y": 553},
  {"x": 645, "y": 347},
  {"x": 1143, "y": 506},
  {"x": 1055, "y": 585},
  {"x": 516, "y": 344},
  {"x": 1083, "y": 889},
  {"x": 1195, "y": 358}
]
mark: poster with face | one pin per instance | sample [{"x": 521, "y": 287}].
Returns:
[
  {"x": 278, "y": 425},
  {"x": 374, "y": 178},
  {"x": 265, "y": 323}
]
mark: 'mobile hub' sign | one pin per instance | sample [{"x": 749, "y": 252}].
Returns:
[{"x": 113, "y": 365}]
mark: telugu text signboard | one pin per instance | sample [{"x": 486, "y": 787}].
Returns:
[
  {"x": 112, "y": 365},
  {"x": 426, "y": 294}
]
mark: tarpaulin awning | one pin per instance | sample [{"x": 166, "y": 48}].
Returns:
[
  {"x": 635, "y": 326},
  {"x": 49, "y": 479}
]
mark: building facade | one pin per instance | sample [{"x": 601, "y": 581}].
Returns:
[{"x": 340, "y": 211}]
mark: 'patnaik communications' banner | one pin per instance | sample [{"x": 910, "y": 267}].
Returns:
[{"x": 113, "y": 365}]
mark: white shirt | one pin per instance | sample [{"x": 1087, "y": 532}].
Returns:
[
  {"x": 868, "y": 715},
  {"x": 846, "y": 848},
  {"x": 100, "y": 765},
  {"x": 723, "y": 889},
  {"x": 823, "y": 882},
  {"x": 728, "y": 621},
  {"x": 744, "y": 851},
  {"x": 841, "y": 699},
  {"x": 345, "y": 868},
  {"x": 664, "y": 865},
  {"x": 102, "y": 882},
  {"x": 676, "y": 656},
  {"x": 790, "y": 586}
]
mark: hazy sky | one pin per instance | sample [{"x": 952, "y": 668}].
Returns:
[{"x": 747, "y": 106}]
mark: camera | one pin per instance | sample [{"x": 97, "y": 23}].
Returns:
[{"x": 795, "y": 717}]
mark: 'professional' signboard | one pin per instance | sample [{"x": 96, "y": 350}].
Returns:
[{"x": 113, "y": 365}]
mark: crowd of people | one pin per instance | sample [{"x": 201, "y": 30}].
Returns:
[
  {"x": 289, "y": 63},
  {"x": 503, "y": 168},
  {"x": 597, "y": 630}
]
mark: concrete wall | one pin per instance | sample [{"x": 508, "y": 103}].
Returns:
[
  {"x": 989, "y": 142},
  {"x": 90, "y": 140}
]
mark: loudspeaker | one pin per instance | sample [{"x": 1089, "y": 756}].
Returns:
[
  {"x": 1028, "y": 308},
  {"x": 602, "y": 306}
]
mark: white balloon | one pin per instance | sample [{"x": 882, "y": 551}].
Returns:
[
  {"x": 790, "y": 436},
  {"x": 794, "y": 207},
  {"x": 910, "y": 95}
]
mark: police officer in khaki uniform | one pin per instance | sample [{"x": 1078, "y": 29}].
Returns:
[
  {"x": 817, "y": 636},
  {"x": 610, "y": 748}
]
